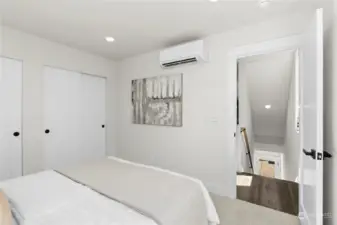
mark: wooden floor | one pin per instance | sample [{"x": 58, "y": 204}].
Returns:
[
  {"x": 272, "y": 193},
  {"x": 237, "y": 212}
]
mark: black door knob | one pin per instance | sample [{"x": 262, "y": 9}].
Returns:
[
  {"x": 47, "y": 131},
  {"x": 16, "y": 134},
  {"x": 103, "y": 126}
]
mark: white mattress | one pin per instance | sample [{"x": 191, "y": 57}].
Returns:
[{"x": 50, "y": 198}]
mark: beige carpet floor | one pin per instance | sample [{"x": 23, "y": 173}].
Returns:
[{"x": 237, "y": 212}]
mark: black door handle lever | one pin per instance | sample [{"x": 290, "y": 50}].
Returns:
[
  {"x": 312, "y": 153},
  {"x": 326, "y": 155}
]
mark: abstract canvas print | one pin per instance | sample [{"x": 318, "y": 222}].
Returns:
[{"x": 158, "y": 100}]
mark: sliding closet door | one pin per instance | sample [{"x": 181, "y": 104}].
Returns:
[
  {"x": 10, "y": 118},
  {"x": 92, "y": 117},
  {"x": 62, "y": 112},
  {"x": 74, "y": 118}
]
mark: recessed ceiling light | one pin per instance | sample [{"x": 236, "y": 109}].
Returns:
[
  {"x": 109, "y": 39},
  {"x": 267, "y": 106},
  {"x": 213, "y": 0},
  {"x": 264, "y": 3}
]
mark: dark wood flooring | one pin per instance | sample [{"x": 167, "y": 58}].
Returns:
[{"x": 276, "y": 194}]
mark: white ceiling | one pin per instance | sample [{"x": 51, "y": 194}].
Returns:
[
  {"x": 138, "y": 26},
  {"x": 268, "y": 83}
]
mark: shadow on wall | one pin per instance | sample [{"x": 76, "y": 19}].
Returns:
[{"x": 330, "y": 102}]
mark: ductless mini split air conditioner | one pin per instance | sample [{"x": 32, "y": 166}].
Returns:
[{"x": 192, "y": 52}]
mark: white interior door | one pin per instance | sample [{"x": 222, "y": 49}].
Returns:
[
  {"x": 10, "y": 118},
  {"x": 61, "y": 115},
  {"x": 92, "y": 117},
  {"x": 275, "y": 157},
  {"x": 311, "y": 171}
]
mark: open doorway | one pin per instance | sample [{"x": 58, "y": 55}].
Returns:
[
  {"x": 309, "y": 48},
  {"x": 268, "y": 144}
]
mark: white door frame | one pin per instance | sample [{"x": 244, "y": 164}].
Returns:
[
  {"x": 277, "y": 157},
  {"x": 262, "y": 48}
]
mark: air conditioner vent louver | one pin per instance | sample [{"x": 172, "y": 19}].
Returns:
[
  {"x": 184, "y": 61},
  {"x": 188, "y": 53}
]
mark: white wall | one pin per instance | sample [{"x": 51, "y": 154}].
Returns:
[
  {"x": 269, "y": 147},
  {"x": 269, "y": 139},
  {"x": 204, "y": 146},
  {"x": 292, "y": 138},
  {"x": 35, "y": 53},
  {"x": 245, "y": 115},
  {"x": 0, "y": 34}
]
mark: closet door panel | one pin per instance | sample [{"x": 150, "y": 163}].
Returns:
[
  {"x": 62, "y": 112},
  {"x": 93, "y": 123},
  {"x": 10, "y": 118}
]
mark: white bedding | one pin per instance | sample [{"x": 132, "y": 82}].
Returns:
[
  {"x": 212, "y": 214},
  {"x": 48, "y": 198}
]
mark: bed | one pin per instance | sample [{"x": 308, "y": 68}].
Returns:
[{"x": 111, "y": 191}]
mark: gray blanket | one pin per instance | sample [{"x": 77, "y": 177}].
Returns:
[{"x": 167, "y": 199}]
